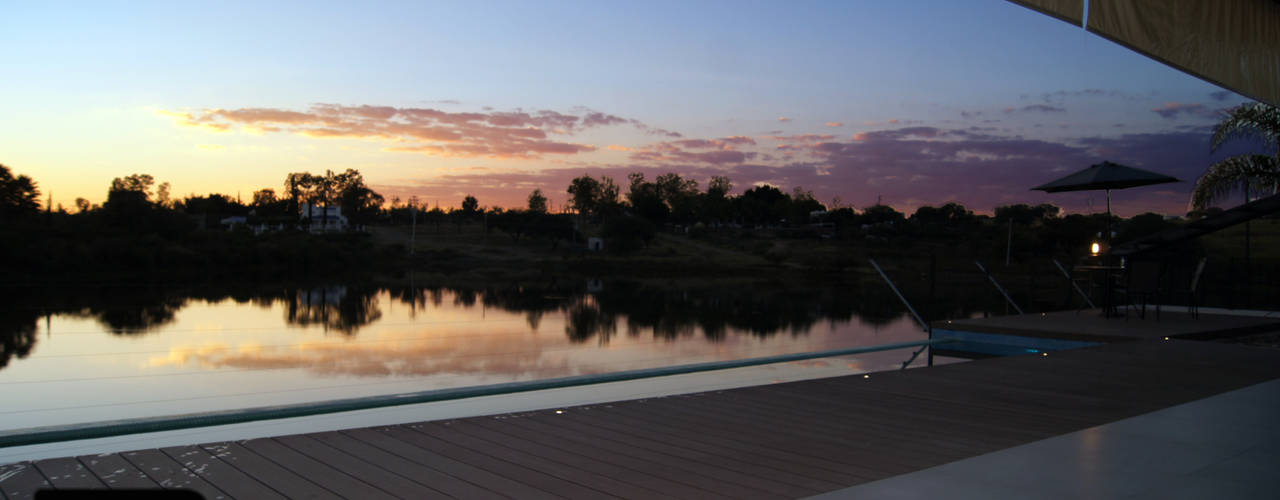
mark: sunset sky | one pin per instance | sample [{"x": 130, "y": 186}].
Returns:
[{"x": 910, "y": 102}]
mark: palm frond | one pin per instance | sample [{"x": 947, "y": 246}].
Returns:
[
  {"x": 1248, "y": 120},
  {"x": 1233, "y": 175}
]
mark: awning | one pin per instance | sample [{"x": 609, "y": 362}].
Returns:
[
  {"x": 1231, "y": 43},
  {"x": 1071, "y": 11}
]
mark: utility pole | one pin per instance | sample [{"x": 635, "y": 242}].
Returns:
[
  {"x": 1008, "y": 249},
  {"x": 413, "y": 226}
]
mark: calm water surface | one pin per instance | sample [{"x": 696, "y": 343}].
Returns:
[{"x": 105, "y": 353}]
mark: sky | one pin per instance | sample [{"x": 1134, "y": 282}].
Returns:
[{"x": 907, "y": 103}]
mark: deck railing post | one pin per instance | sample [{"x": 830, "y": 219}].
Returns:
[
  {"x": 998, "y": 287},
  {"x": 923, "y": 323},
  {"x": 1073, "y": 283}
]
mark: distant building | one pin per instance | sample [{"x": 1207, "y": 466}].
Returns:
[
  {"x": 230, "y": 223},
  {"x": 324, "y": 218}
]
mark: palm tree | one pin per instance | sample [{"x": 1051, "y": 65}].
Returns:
[{"x": 1242, "y": 173}]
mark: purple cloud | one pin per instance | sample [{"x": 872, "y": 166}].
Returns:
[
  {"x": 1172, "y": 110},
  {"x": 1041, "y": 108},
  {"x": 1221, "y": 95}
]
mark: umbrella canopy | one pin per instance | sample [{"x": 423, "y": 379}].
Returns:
[{"x": 1105, "y": 175}]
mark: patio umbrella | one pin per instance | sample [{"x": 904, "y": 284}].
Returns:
[{"x": 1105, "y": 176}]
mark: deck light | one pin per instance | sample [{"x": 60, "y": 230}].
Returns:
[
  {"x": 866, "y": 376},
  {"x": 1095, "y": 248},
  {"x": 1044, "y": 354},
  {"x": 559, "y": 412},
  {"x": 1166, "y": 338}
]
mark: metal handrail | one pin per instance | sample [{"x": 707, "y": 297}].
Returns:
[
  {"x": 904, "y": 300},
  {"x": 73, "y": 432},
  {"x": 1073, "y": 283},
  {"x": 998, "y": 287}
]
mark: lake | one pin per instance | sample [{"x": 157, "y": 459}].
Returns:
[{"x": 93, "y": 353}]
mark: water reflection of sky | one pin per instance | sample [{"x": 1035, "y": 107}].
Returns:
[{"x": 220, "y": 354}]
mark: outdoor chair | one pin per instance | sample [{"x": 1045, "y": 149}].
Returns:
[
  {"x": 1190, "y": 291},
  {"x": 1143, "y": 286}
]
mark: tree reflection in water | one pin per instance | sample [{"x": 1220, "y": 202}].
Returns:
[
  {"x": 669, "y": 312},
  {"x": 342, "y": 309},
  {"x": 17, "y": 334}
]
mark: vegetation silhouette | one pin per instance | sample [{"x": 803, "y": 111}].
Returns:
[{"x": 1249, "y": 173}]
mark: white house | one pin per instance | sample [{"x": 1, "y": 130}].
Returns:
[{"x": 324, "y": 218}]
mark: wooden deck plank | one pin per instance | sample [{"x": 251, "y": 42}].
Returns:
[
  {"x": 68, "y": 473},
  {"x": 708, "y": 474},
  {"x": 371, "y": 474},
  {"x": 780, "y": 440},
  {"x": 450, "y": 431},
  {"x": 872, "y": 428},
  {"x": 911, "y": 415},
  {"x": 700, "y": 485},
  {"x": 267, "y": 472},
  {"x": 854, "y": 458},
  {"x": 750, "y": 423},
  {"x": 116, "y": 472},
  {"x": 729, "y": 446},
  {"x": 679, "y": 446},
  {"x": 751, "y": 439},
  {"x": 860, "y": 450},
  {"x": 778, "y": 480},
  {"x": 423, "y": 435},
  {"x": 220, "y": 474},
  {"x": 332, "y": 479},
  {"x": 493, "y": 430},
  {"x": 416, "y": 472},
  {"x": 170, "y": 474},
  {"x": 380, "y": 438},
  {"x": 21, "y": 481}
]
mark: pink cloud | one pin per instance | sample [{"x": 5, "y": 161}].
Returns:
[
  {"x": 835, "y": 124},
  {"x": 498, "y": 134}
]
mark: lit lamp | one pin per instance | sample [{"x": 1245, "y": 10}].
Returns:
[{"x": 1095, "y": 249}]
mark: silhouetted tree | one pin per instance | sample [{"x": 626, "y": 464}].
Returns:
[
  {"x": 627, "y": 234},
  {"x": 802, "y": 204},
  {"x": 537, "y": 202},
  {"x": 716, "y": 206},
  {"x": 129, "y": 200},
  {"x": 763, "y": 204},
  {"x": 1026, "y": 215},
  {"x": 593, "y": 197},
  {"x": 646, "y": 199},
  {"x": 470, "y": 205},
  {"x": 359, "y": 203},
  {"x": 296, "y": 186},
  {"x": 950, "y": 219},
  {"x": 18, "y": 195}
]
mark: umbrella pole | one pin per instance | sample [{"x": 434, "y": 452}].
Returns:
[{"x": 1108, "y": 235}]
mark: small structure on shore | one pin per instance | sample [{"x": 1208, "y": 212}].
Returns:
[{"x": 323, "y": 218}]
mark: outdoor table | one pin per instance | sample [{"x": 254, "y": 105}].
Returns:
[{"x": 1108, "y": 284}]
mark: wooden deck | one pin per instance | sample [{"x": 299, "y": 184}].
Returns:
[
  {"x": 776, "y": 441},
  {"x": 1090, "y": 325}
]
